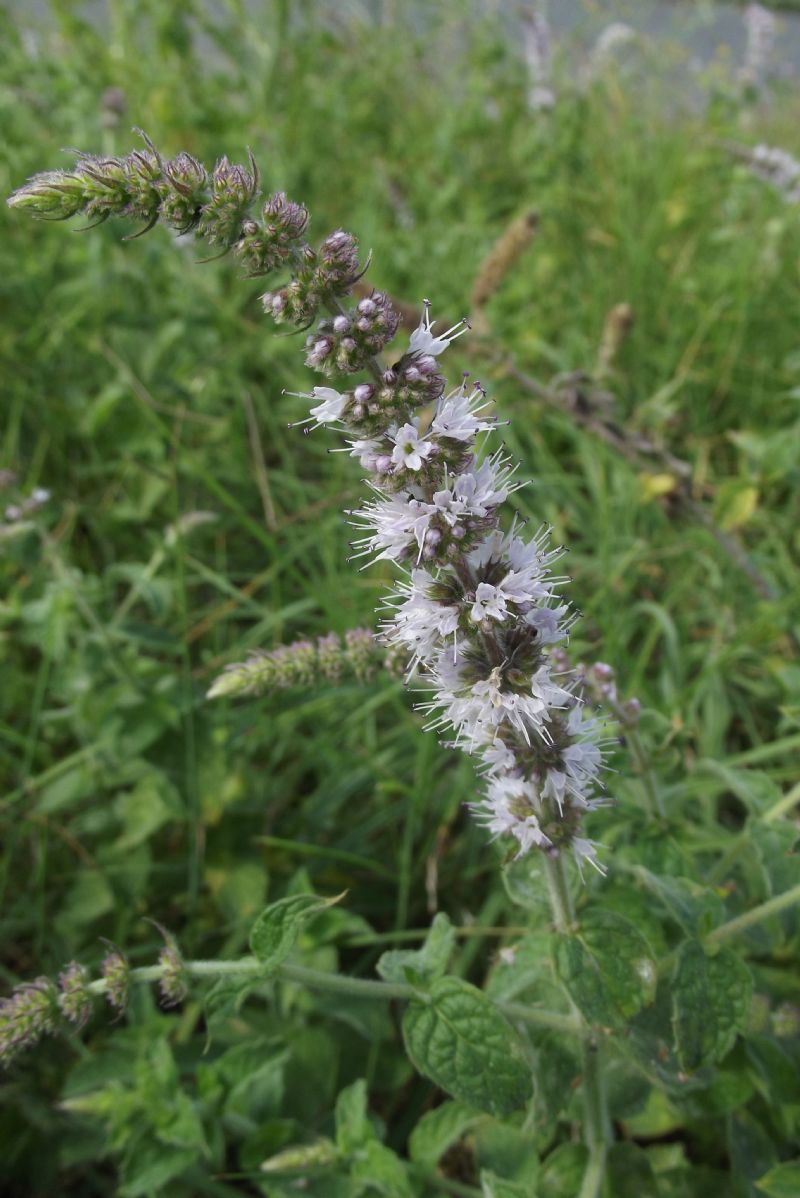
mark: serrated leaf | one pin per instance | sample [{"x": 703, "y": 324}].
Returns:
[
  {"x": 460, "y": 1040},
  {"x": 275, "y": 932},
  {"x": 423, "y": 964},
  {"x": 438, "y": 1130},
  {"x": 607, "y": 967},
  {"x": 710, "y": 1003},
  {"x": 782, "y": 1181}
]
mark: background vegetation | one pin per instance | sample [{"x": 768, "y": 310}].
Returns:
[{"x": 188, "y": 524}]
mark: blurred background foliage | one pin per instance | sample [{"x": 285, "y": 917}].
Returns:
[{"x": 188, "y": 524}]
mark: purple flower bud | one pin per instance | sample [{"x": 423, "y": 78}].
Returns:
[
  {"x": 172, "y": 986},
  {"x": 75, "y": 1001},
  {"x": 29, "y": 1013},
  {"x": 363, "y": 393},
  {"x": 117, "y": 973}
]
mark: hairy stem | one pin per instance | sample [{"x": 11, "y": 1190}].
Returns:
[
  {"x": 597, "y": 1126},
  {"x": 317, "y": 979}
]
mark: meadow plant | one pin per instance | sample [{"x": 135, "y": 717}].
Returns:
[{"x": 478, "y": 619}]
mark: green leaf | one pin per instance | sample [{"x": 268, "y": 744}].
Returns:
[
  {"x": 152, "y": 1165},
  {"x": 562, "y": 1172},
  {"x": 782, "y": 1181},
  {"x": 629, "y": 1173},
  {"x": 509, "y": 1152},
  {"x": 736, "y": 502},
  {"x": 438, "y": 1130},
  {"x": 382, "y": 1171},
  {"x": 607, "y": 967},
  {"x": 694, "y": 907},
  {"x": 275, "y": 932},
  {"x": 461, "y": 1041},
  {"x": 426, "y": 963},
  {"x": 710, "y": 1003},
  {"x": 353, "y": 1128},
  {"x": 493, "y": 1186}
]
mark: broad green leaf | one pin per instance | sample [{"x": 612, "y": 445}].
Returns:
[
  {"x": 459, "y": 1039},
  {"x": 438, "y": 1130},
  {"x": 629, "y": 1173},
  {"x": 223, "y": 1001},
  {"x": 696, "y": 908},
  {"x": 607, "y": 967},
  {"x": 493, "y": 1186},
  {"x": 526, "y": 884},
  {"x": 508, "y": 1152},
  {"x": 562, "y": 1172},
  {"x": 524, "y": 970},
  {"x": 151, "y": 1166},
  {"x": 353, "y": 1128},
  {"x": 275, "y": 932},
  {"x": 382, "y": 1171},
  {"x": 426, "y": 963},
  {"x": 710, "y": 1003},
  {"x": 782, "y": 1181}
]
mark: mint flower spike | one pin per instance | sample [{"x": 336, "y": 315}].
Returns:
[{"x": 478, "y": 610}]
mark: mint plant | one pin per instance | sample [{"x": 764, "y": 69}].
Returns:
[{"x": 628, "y": 992}]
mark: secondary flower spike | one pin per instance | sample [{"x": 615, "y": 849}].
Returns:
[{"x": 477, "y": 610}]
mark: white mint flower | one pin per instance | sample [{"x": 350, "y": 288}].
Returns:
[
  {"x": 423, "y": 341},
  {"x": 366, "y": 450},
  {"x": 457, "y": 415},
  {"x": 410, "y": 450},
  {"x": 331, "y": 408},
  {"x": 397, "y": 524},
  {"x": 489, "y": 601}
]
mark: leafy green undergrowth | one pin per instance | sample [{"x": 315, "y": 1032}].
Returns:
[{"x": 187, "y": 524}]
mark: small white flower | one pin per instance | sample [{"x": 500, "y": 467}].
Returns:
[
  {"x": 410, "y": 449},
  {"x": 457, "y": 415},
  {"x": 366, "y": 450},
  {"x": 423, "y": 341},
  {"x": 489, "y": 601},
  {"x": 331, "y": 408}
]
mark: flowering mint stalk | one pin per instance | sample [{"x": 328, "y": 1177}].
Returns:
[
  {"x": 477, "y": 608},
  {"x": 303, "y": 664}
]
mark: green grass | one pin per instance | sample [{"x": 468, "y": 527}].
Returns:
[{"x": 126, "y": 369}]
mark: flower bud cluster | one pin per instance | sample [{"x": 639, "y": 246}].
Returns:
[
  {"x": 39, "y": 1008},
  {"x": 116, "y": 973},
  {"x": 74, "y": 1000},
  {"x": 28, "y": 1014},
  {"x": 346, "y": 343},
  {"x": 233, "y": 189},
  {"x": 173, "y": 983},
  {"x": 302, "y": 664}
]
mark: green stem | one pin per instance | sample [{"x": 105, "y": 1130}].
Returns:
[
  {"x": 597, "y": 1126},
  {"x": 740, "y": 924},
  {"x": 317, "y": 979},
  {"x": 784, "y": 805},
  {"x": 558, "y": 889},
  {"x": 595, "y": 1171},
  {"x": 641, "y": 760}
]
